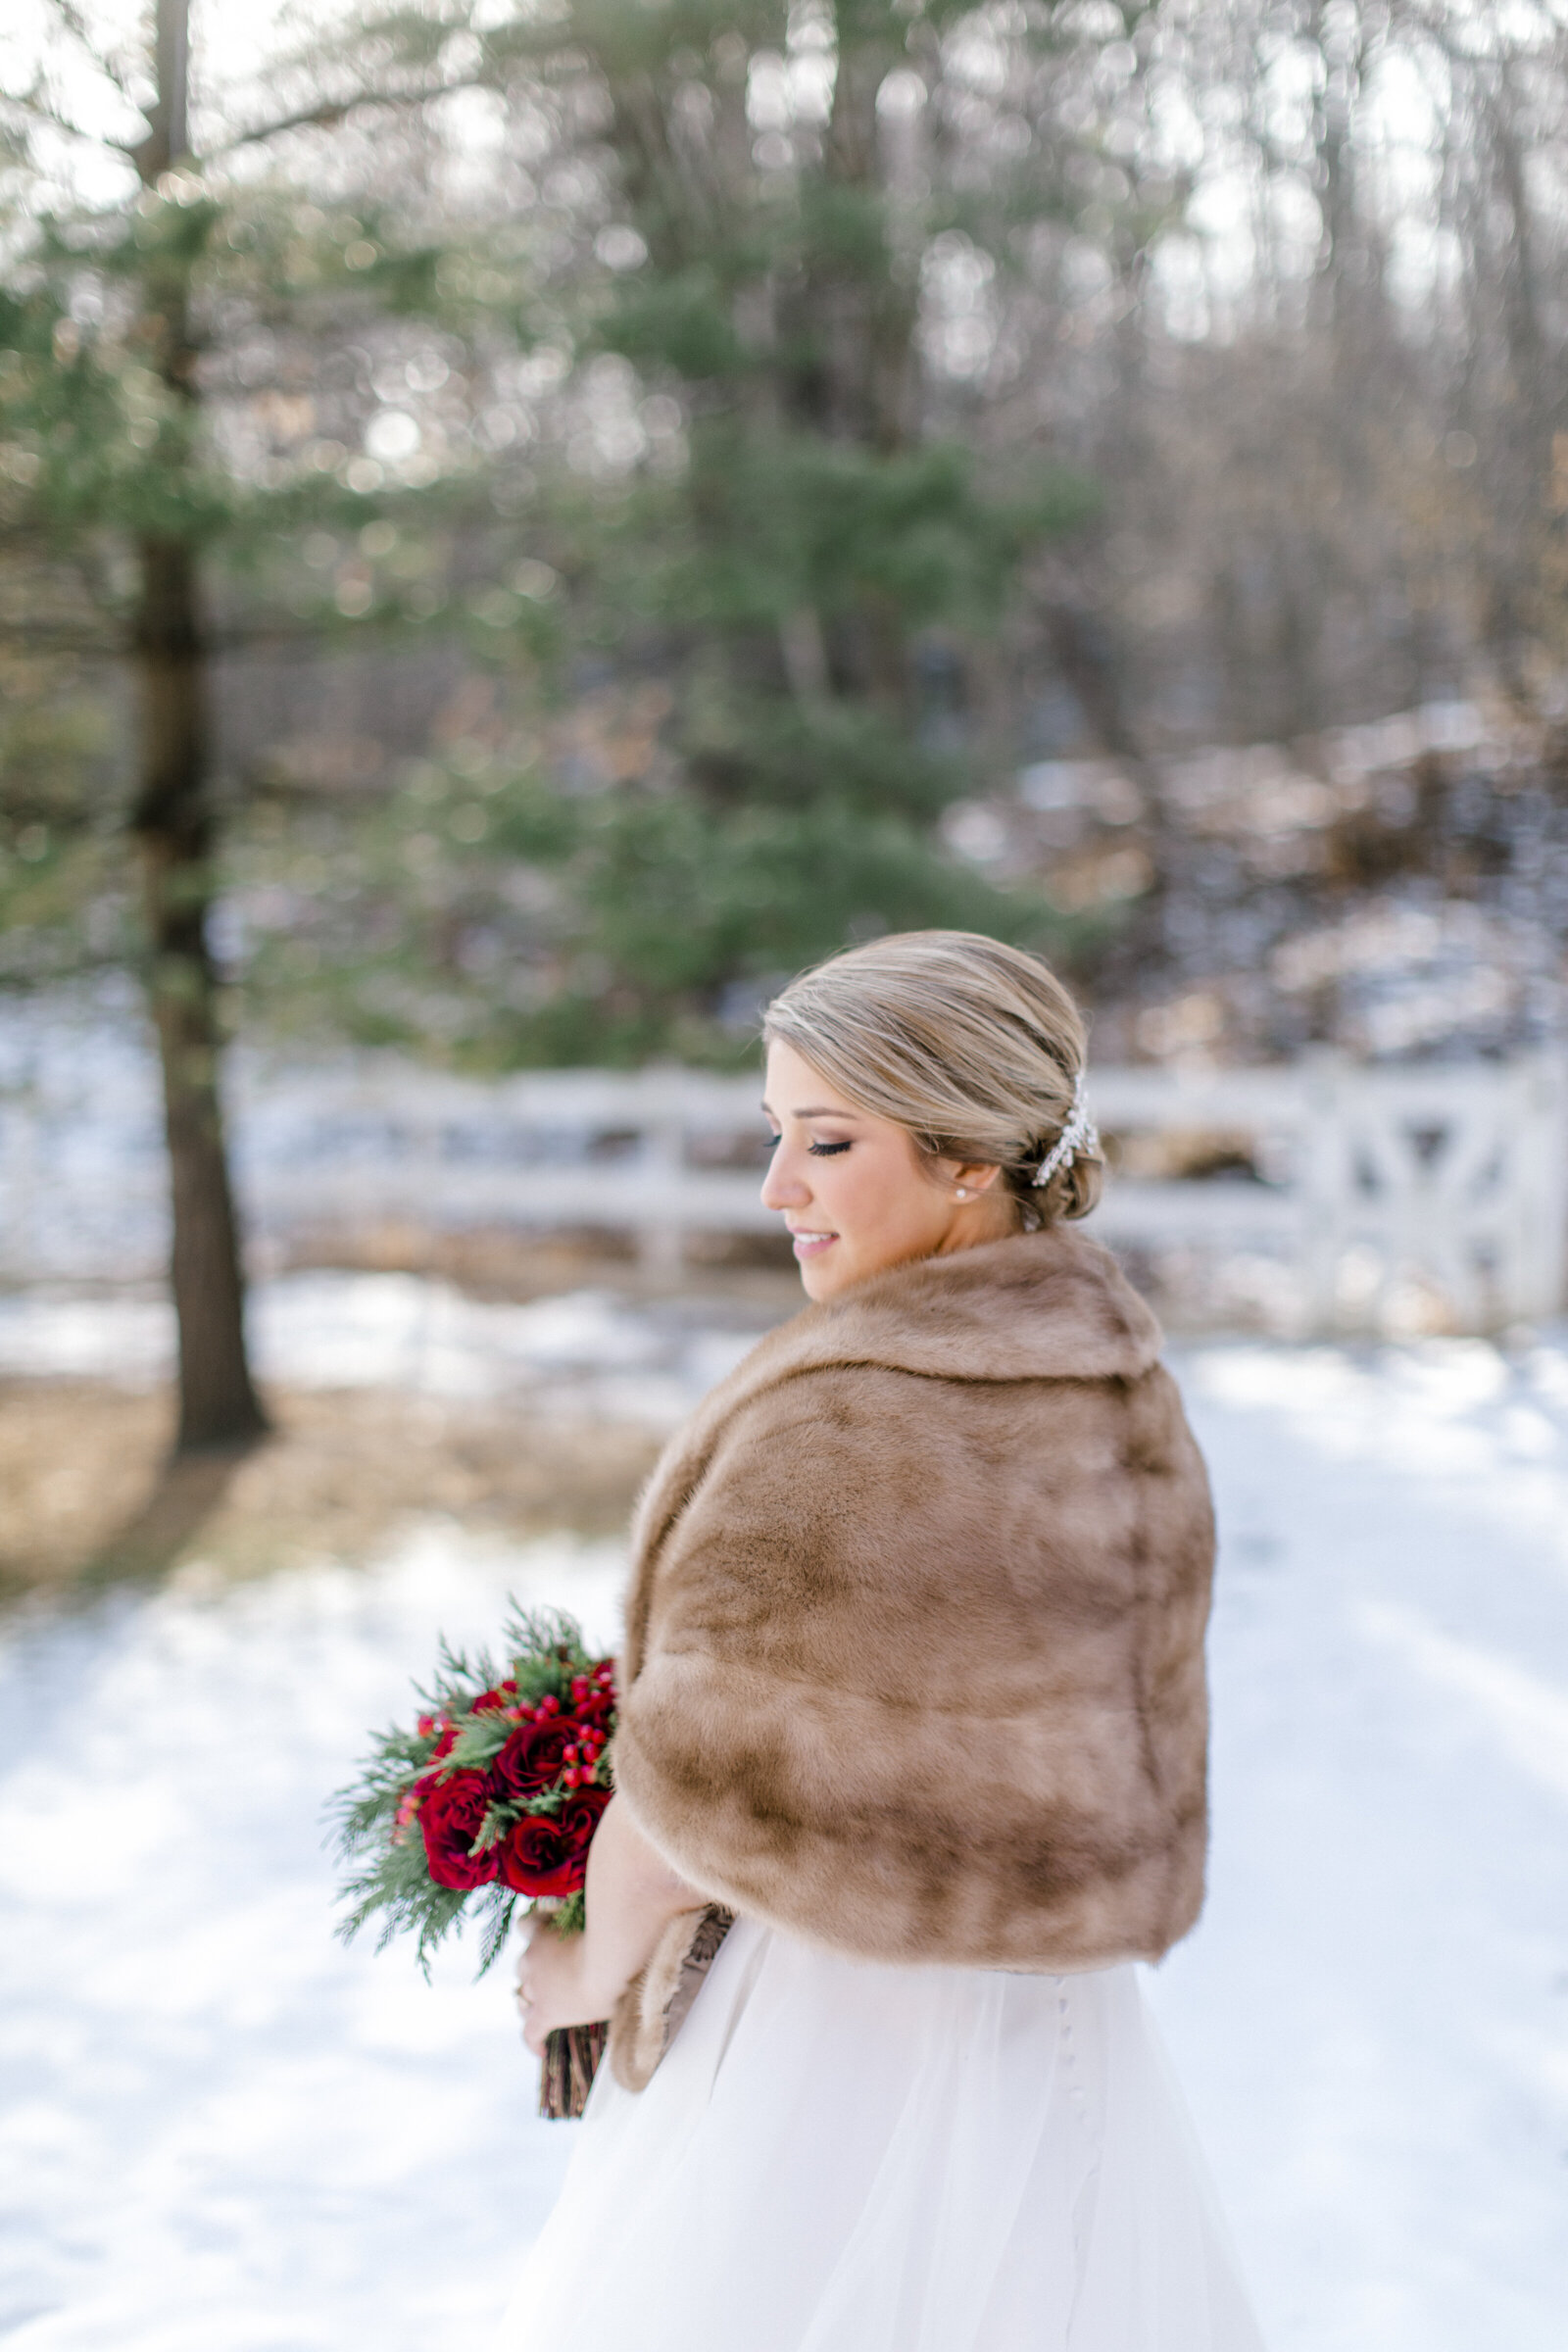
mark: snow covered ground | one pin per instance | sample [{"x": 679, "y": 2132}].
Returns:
[
  {"x": 587, "y": 1352},
  {"x": 224, "y": 2132}
]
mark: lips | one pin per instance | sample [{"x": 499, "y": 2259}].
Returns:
[{"x": 812, "y": 1245}]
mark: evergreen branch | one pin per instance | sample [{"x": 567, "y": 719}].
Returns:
[
  {"x": 443, "y": 1912},
  {"x": 480, "y": 1742},
  {"x": 360, "y": 1812},
  {"x": 497, "y": 1930},
  {"x": 90, "y": 37},
  {"x": 37, "y": 112},
  {"x": 549, "y": 1802},
  {"x": 498, "y": 1820},
  {"x": 456, "y": 1673},
  {"x": 571, "y": 1917}
]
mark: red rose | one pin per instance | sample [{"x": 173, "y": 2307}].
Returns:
[
  {"x": 533, "y": 1758},
  {"x": 550, "y": 1856},
  {"x": 496, "y": 1701},
  {"x": 451, "y": 1818}
]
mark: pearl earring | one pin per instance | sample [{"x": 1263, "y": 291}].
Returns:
[{"x": 963, "y": 1191}]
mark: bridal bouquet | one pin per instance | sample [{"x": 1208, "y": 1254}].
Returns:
[{"x": 490, "y": 1799}]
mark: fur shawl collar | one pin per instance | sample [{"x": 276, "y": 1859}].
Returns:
[{"x": 913, "y": 1659}]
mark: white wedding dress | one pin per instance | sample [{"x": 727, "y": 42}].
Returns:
[{"x": 836, "y": 2156}]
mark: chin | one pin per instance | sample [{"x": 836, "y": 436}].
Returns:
[{"x": 819, "y": 1281}]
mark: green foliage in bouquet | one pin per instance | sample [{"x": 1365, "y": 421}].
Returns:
[{"x": 491, "y": 1797}]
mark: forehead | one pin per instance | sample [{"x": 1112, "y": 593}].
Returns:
[{"x": 793, "y": 1087}]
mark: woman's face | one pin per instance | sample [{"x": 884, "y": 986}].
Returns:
[{"x": 856, "y": 1193}]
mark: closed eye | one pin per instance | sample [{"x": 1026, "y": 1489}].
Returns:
[{"x": 817, "y": 1150}]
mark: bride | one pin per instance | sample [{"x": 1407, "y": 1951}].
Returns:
[{"x": 914, "y": 1689}]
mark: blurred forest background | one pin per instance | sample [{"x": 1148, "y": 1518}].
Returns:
[
  {"x": 616, "y": 499},
  {"x": 521, "y": 526}
]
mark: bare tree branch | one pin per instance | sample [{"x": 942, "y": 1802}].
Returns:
[
  {"x": 336, "y": 110},
  {"x": 323, "y": 116}
]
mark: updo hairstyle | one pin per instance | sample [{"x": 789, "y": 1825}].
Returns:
[{"x": 973, "y": 1047}]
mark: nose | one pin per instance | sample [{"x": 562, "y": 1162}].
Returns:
[{"x": 782, "y": 1188}]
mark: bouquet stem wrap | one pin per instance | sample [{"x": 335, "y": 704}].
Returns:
[{"x": 571, "y": 2060}]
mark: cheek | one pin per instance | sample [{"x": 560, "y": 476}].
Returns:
[
  {"x": 858, "y": 1190},
  {"x": 879, "y": 1197}
]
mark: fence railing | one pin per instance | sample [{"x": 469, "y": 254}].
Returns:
[
  {"x": 1355, "y": 1182},
  {"x": 1454, "y": 1178}
]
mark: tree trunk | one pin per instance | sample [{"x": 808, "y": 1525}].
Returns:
[
  {"x": 217, "y": 1403},
  {"x": 174, "y": 827}
]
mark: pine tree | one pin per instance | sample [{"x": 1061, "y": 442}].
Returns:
[
  {"x": 819, "y": 567},
  {"x": 126, "y": 523}
]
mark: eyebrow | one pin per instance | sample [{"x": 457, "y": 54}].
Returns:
[{"x": 819, "y": 1110}]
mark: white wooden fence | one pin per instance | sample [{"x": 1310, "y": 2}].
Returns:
[
  {"x": 1450, "y": 1178},
  {"x": 1373, "y": 1180}
]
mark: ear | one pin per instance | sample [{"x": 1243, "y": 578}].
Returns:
[{"x": 973, "y": 1177}]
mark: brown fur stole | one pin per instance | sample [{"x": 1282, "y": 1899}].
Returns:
[{"x": 915, "y": 1648}]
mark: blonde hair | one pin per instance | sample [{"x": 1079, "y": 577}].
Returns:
[{"x": 973, "y": 1047}]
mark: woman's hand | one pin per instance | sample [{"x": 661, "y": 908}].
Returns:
[
  {"x": 631, "y": 1894},
  {"x": 550, "y": 1984}
]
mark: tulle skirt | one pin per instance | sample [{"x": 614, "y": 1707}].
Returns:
[{"x": 837, "y": 2156}]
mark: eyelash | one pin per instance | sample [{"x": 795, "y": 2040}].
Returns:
[{"x": 817, "y": 1150}]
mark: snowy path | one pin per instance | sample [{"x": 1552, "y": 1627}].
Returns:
[
  {"x": 225, "y": 2134},
  {"x": 1372, "y": 2021}
]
